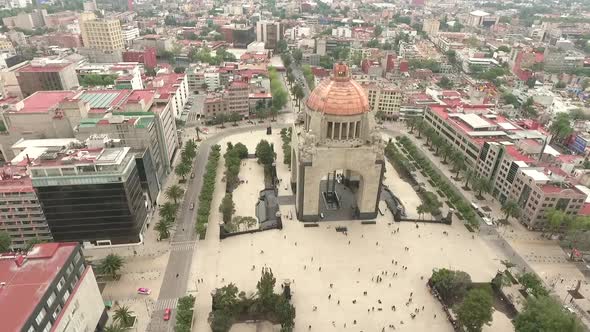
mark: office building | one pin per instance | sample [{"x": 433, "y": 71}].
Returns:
[
  {"x": 51, "y": 288},
  {"x": 21, "y": 215},
  {"x": 45, "y": 75},
  {"x": 270, "y": 33},
  {"x": 240, "y": 35},
  {"x": 234, "y": 99},
  {"x": 386, "y": 99},
  {"x": 101, "y": 34},
  {"x": 90, "y": 195},
  {"x": 146, "y": 56}
]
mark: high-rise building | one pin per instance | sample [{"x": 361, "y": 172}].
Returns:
[
  {"x": 45, "y": 74},
  {"x": 51, "y": 288},
  {"x": 102, "y": 34},
  {"x": 90, "y": 195},
  {"x": 270, "y": 33},
  {"x": 21, "y": 215},
  {"x": 386, "y": 99}
]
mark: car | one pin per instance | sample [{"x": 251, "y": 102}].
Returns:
[
  {"x": 192, "y": 175},
  {"x": 144, "y": 291},
  {"x": 167, "y": 313},
  {"x": 192, "y": 207}
]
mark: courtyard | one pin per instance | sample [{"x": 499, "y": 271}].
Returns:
[{"x": 329, "y": 271}]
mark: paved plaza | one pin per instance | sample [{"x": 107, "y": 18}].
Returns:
[{"x": 314, "y": 259}]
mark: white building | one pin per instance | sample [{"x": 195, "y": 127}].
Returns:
[
  {"x": 130, "y": 33},
  {"x": 342, "y": 32}
]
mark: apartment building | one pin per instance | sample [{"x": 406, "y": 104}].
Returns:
[
  {"x": 90, "y": 195},
  {"x": 128, "y": 74},
  {"x": 386, "y": 99},
  {"x": 51, "y": 288},
  {"x": 558, "y": 59},
  {"x": 45, "y": 74},
  {"x": 21, "y": 215},
  {"x": 270, "y": 33},
  {"x": 233, "y": 100},
  {"x": 102, "y": 34},
  {"x": 175, "y": 86},
  {"x": 536, "y": 193}
]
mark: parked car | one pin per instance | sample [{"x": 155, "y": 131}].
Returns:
[
  {"x": 192, "y": 175},
  {"x": 192, "y": 207},
  {"x": 144, "y": 291},
  {"x": 167, "y": 313}
]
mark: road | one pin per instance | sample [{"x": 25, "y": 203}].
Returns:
[{"x": 183, "y": 243}]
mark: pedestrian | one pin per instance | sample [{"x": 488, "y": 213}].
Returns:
[
  {"x": 338, "y": 302},
  {"x": 359, "y": 269},
  {"x": 422, "y": 308},
  {"x": 329, "y": 296},
  {"x": 309, "y": 327},
  {"x": 411, "y": 293},
  {"x": 320, "y": 269}
]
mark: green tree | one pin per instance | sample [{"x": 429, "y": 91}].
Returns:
[
  {"x": 299, "y": 95},
  {"x": 225, "y": 298},
  {"x": 510, "y": 209},
  {"x": 264, "y": 153},
  {"x": 458, "y": 162},
  {"x": 297, "y": 55},
  {"x": 111, "y": 265},
  {"x": 265, "y": 289},
  {"x": 163, "y": 229},
  {"x": 182, "y": 170},
  {"x": 451, "y": 285},
  {"x": 468, "y": 175},
  {"x": 546, "y": 314},
  {"x": 168, "y": 211},
  {"x": 531, "y": 283},
  {"x": 483, "y": 185},
  {"x": 174, "y": 192},
  {"x": 114, "y": 328},
  {"x": 31, "y": 243},
  {"x": 227, "y": 208},
  {"x": 446, "y": 150},
  {"x": 560, "y": 127},
  {"x": 377, "y": 31},
  {"x": 476, "y": 310},
  {"x": 510, "y": 99},
  {"x": 5, "y": 241},
  {"x": 179, "y": 70},
  {"x": 123, "y": 316},
  {"x": 445, "y": 83},
  {"x": 235, "y": 117},
  {"x": 555, "y": 218}
]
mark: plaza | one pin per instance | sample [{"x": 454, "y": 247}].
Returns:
[{"x": 349, "y": 262}]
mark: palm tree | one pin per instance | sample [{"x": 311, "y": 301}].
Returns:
[
  {"x": 168, "y": 211},
  {"x": 511, "y": 209},
  {"x": 413, "y": 122},
  {"x": 114, "y": 328},
  {"x": 437, "y": 142},
  {"x": 174, "y": 192},
  {"x": 421, "y": 209},
  {"x": 429, "y": 133},
  {"x": 458, "y": 163},
  {"x": 123, "y": 316},
  {"x": 483, "y": 185},
  {"x": 111, "y": 265},
  {"x": 421, "y": 126},
  {"x": 290, "y": 79},
  {"x": 469, "y": 174},
  {"x": 446, "y": 150},
  {"x": 183, "y": 169},
  {"x": 299, "y": 94},
  {"x": 163, "y": 228}
]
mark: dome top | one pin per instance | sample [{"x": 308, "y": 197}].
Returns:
[{"x": 340, "y": 95}]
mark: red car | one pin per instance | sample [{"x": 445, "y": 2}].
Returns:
[{"x": 167, "y": 314}]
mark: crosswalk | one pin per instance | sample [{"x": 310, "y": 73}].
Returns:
[
  {"x": 183, "y": 246},
  {"x": 165, "y": 303}
]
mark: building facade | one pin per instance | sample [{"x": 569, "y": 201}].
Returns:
[
  {"x": 91, "y": 195},
  {"x": 51, "y": 288},
  {"x": 102, "y": 34},
  {"x": 46, "y": 75},
  {"x": 270, "y": 33}
]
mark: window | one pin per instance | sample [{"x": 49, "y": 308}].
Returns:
[
  {"x": 66, "y": 295},
  {"x": 47, "y": 327},
  {"x": 31, "y": 329},
  {"x": 61, "y": 283},
  {"x": 81, "y": 269},
  {"x": 51, "y": 299},
  {"x": 40, "y": 316}
]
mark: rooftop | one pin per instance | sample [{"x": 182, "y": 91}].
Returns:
[
  {"x": 26, "y": 284},
  {"x": 86, "y": 156},
  {"x": 43, "y": 67},
  {"x": 43, "y": 101}
]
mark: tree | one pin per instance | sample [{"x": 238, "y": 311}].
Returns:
[
  {"x": 476, "y": 310},
  {"x": 31, "y": 243},
  {"x": 163, "y": 229},
  {"x": 555, "y": 218},
  {"x": 225, "y": 298},
  {"x": 179, "y": 70},
  {"x": 421, "y": 210},
  {"x": 483, "y": 185},
  {"x": 532, "y": 284},
  {"x": 511, "y": 209},
  {"x": 168, "y": 211},
  {"x": 445, "y": 83},
  {"x": 114, "y": 328},
  {"x": 458, "y": 162},
  {"x": 299, "y": 95},
  {"x": 282, "y": 48},
  {"x": 234, "y": 117},
  {"x": 468, "y": 175},
  {"x": 560, "y": 126},
  {"x": 111, "y": 265},
  {"x": 510, "y": 99},
  {"x": 546, "y": 314},
  {"x": 182, "y": 169},
  {"x": 174, "y": 192},
  {"x": 297, "y": 55},
  {"x": 123, "y": 316},
  {"x": 377, "y": 31},
  {"x": 446, "y": 150},
  {"x": 5, "y": 241},
  {"x": 265, "y": 289},
  {"x": 452, "y": 285},
  {"x": 264, "y": 153},
  {"x": 227, "y": 208}
]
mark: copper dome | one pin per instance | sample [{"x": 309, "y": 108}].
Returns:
[{"x": 340, "y": 95}]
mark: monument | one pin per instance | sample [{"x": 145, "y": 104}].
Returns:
[{"x": 337, "y": 160}]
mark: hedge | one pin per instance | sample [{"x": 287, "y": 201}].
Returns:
[{"x": 206, "y": 195}]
